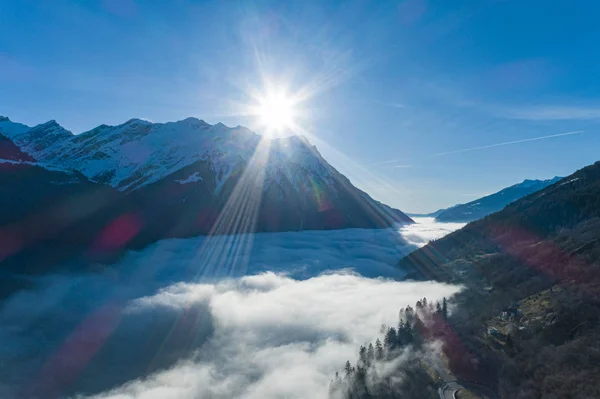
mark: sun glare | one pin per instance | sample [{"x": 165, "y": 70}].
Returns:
[{"x": 276, "y": 112}]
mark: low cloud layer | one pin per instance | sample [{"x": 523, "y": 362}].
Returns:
[
  {"x": 273, "y": 336},
  {"x": 425, "y": 230},
  {"x": 153, "y": 326}
]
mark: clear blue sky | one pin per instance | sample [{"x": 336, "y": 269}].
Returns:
[{"x": 396, "y": 80}]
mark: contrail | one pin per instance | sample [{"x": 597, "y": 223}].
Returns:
[
  {"x": 508, "y": 143},
  {"x": 392, "y": 161}
]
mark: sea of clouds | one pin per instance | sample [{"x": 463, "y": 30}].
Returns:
[{"x": 253, "y": 316}]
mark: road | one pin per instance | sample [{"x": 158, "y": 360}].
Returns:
[
  {"x": 448, "y": 391},
  {"x": 451, "y": 388}
]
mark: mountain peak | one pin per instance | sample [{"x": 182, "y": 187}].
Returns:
[
  {"x": 137, "y": 121},
  {"x": 191, "y": 167},
  {"x": 50, "y": 127},
  {"x": 4, "y": 119},
  {"x": 50, "y": 124},
  {"x": 193, "y": 119}
]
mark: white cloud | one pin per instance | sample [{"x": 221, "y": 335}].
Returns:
[
  {"x": 147, "y": 328},
  {"x": 281, "y": 340},
  {"x": 427, "y": 229}
]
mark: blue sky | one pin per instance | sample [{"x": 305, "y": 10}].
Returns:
[{"x": 391, "y": 84}]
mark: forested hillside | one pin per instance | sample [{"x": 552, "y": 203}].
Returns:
[
  {"x": 529, "y": 318},
  {"x": 404, "y": 363}
]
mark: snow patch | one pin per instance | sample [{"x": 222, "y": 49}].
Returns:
[
  {"x": 194, "y": 177},
  {"x": 567, "y": 182}
]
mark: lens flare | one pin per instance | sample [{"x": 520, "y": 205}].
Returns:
[{"x": 276, "y": 111}]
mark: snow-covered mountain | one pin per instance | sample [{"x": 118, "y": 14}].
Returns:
[
  {"x": 189, "y": 177},
  {"x": 136, "y": 152},
  {"x": 489, "y": 204}
]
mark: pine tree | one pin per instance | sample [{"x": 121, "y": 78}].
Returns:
[
  {"x": 335, "y": 384},
  {"x": 370, "y": 354},
  {"x": 405, "y": 334},
  {"x": 362, "y": 354},
  {"x": 444, "y": 308},
  {"x": 409, "y": 314},
  {"x": 348, "y": 369},
  {"x": 390, "y": 340},
  {"x": 359, "y": 387},
  {"x": 400, "y": 339},
  {"x": 378, "y": 350},
  {"x": 418, "y": 330}
]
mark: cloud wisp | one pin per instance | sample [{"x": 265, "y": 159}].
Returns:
[
  {"x": 401, "y": 163},
  {"x": 483, "y": 147}
]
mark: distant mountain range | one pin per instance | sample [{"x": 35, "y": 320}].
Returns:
[
  {"x": 125, "y": 186},
  {"x": 426, "y": 215},
  {"x": 489, "y": 204}
]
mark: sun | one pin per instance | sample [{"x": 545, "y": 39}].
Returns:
[{"x": 276, "y": 111}]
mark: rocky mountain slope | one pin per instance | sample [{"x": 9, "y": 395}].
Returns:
[{"x": 183, "y": 178}]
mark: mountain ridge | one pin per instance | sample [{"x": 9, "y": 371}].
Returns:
[
  {"x": 186, "y": 178},
  {"x": 491, "y": 203}
]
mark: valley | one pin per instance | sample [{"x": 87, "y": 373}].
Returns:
[{"x": 225, "y": 309}]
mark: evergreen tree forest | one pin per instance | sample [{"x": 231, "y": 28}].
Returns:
[{"x": 400, "y": 364}]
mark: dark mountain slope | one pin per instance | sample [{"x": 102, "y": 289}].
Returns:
[
  {"x": 176, "y": 179},
  {"x": 11, "y": 152},
  {"x": 187, "y": 203},
  {"x": 545, "y": 245},
  {"x": 296, "y": 186},
  {"x": 46, "y": 214}
]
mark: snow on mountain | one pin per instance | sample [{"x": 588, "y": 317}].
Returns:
[
  {"x": 137, "y": 152},
  {"x": 182, "y": 179},
  {"x": 194, "y": 177},
  {"x": 37, "y": 139},
  {"x": 484, "y": 206}
]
